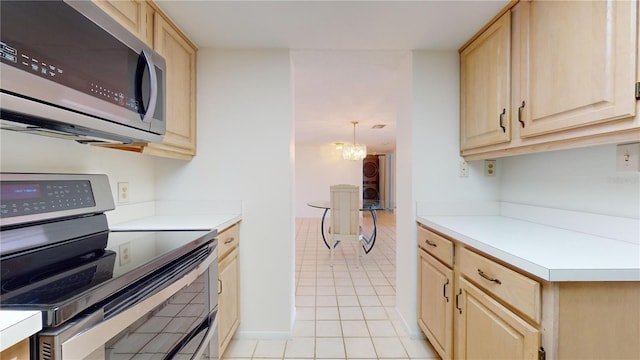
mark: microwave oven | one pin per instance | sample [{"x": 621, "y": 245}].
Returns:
[{"x": 69, "y": 70}]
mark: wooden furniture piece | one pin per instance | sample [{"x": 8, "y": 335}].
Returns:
[
  {"x": 149, "y": 23},
  {"x": 568, "y": 88},
  {"x": 502, "y": 312},
  {"x": 228, "y": 285},
  {"x": 345, "y": 218}
]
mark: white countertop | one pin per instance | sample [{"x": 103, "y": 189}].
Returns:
[
  {"x": 179, "y": 222},
  {"x": 548, "y": 252},
  {"x": 16, "y": 326}
]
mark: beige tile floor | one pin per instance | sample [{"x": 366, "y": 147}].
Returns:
[{"x": 344, "y": 311}]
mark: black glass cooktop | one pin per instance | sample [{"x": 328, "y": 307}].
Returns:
[{"x": 67, "y": 286}]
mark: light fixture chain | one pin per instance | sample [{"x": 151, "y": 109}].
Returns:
[{"x": 354, "y": 131}]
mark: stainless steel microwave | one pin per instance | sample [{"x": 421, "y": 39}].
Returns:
[{"x": 69, "y": 70}]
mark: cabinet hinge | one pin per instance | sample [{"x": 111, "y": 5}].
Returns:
[
  {"x": 541, "y": 354},
  {"x": 638, "y": 91}
]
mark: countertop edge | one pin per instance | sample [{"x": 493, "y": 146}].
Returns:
[
  {"x": 227, "y": 224},
  {"x": 202, "y": 222},
  {"x": 542, "y": 272},
  {"x": 16, "y": 326}
]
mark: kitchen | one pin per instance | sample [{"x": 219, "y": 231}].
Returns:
[{"x": 245, "y": 100}]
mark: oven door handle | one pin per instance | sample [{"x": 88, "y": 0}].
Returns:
[
  {"x": 84, "y": 343},
  {"x": 210, "y": 324}
]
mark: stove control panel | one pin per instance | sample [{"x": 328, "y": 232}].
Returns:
[{"x": 20, "y": 198}]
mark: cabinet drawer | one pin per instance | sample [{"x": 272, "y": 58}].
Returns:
[
  {"x": 517, "y": 290},
  {"x": 228, "y": 240},
  {"x": 436, "y": 245}
]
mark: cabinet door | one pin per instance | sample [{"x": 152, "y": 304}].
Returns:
[
  {"x": 487, "y": 330},
  {"x": 180, "y": 56},
  {"x": 578, "y": 64},
  {"x": 435, "y": 303},
  {"x": 228, "y": 299},
  {"x": 485, "y": 87},
  {"x": 134, "y": 15},
  {"x": 18, "y": 351}
]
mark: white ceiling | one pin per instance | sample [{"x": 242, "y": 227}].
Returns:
[{"x": 346, "y": 54}]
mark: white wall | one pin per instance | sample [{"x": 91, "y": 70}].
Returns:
[
  {"x": 405, "y": 203},
  {"x": 245, "y": 134},
  {"x": 427, "y": 161},
  {"x": 33, "y": 153},
  {"x": 579, "y": 179},
  {"x": 317, "y": 168}
]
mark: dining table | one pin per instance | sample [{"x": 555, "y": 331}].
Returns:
[{"x": 372, "y": 206}]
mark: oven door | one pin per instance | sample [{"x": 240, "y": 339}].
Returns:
[{"x": 173, "y": 315}]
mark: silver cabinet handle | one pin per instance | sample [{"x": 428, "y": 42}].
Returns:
[
  {"x": 495, "y": 280},
  {"x": 458, "y": 301},
  {"x": 229, "y": 240}
]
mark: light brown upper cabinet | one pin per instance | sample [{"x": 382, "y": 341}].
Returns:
[
  {"x": 485, "y": 76},
  {"x": 578, "y": 64},
  {"x": 180, "y": 55},
  {"x": 572, "y": 79},
  {"x": 146, "y": 20},
  {"x": 135, "y": 15}
]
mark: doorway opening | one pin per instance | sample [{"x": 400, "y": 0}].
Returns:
[{"x": 377, "y": 180}]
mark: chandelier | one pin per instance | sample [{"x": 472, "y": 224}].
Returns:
[{"x": 354, "y": 151}]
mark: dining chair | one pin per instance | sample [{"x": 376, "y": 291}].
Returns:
[{"x": 345, "y": 218}]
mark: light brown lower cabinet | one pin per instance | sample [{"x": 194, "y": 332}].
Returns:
[
  {"x": 501, "y": 312},
  {"x": 435, "y": 309},
  {"x": 228, "y": 286},
  {"x": 487, "y": 330},
  {"x": 19, "y": 351}
]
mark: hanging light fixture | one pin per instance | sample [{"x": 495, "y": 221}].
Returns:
[{"x": 354, "y": 151}]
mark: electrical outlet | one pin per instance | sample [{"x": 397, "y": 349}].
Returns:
[
  {"x": 489, "y": 168},
  {"x": 123, "y": 192},
  {"x": 124, "y": 253},
  {"x": 628, "y": 157},
  {"x": 464, "y": 169}
]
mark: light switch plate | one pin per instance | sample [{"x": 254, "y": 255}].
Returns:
[{"x": 628, "y": 157}]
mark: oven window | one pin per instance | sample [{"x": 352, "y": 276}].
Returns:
[{"x": 164, "y": 328}]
